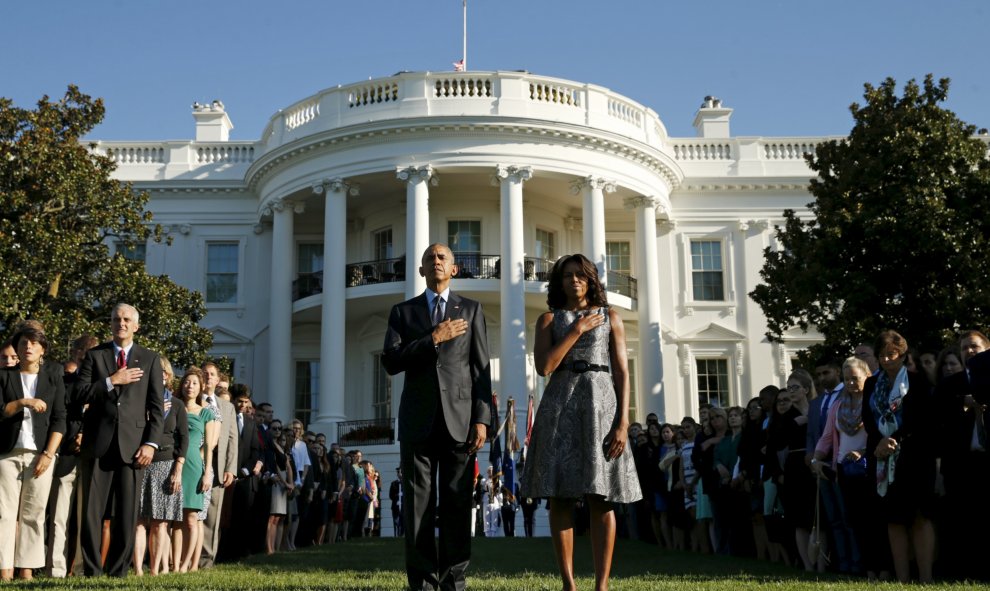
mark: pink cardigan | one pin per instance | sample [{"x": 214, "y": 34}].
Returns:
[{"x": 829, "y": 441}]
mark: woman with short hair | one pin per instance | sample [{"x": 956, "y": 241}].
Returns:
[
  {"x": 32, "y": 422},
  {"x": 898, "y": 414}
]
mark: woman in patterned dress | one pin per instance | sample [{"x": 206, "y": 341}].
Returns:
[
  {"x": 578, "y": 450},
  {"x": 161, "y": 489}
]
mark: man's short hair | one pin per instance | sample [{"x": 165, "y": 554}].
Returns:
[
  {"x": 828, "y": 361},
  {"x": 771, "y": 390},
  {"x": 240, "y": 391},
  {"x": 123, "y": 306}
]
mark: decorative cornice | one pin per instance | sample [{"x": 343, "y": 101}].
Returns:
[
  {"x": 659, "y": 162},
  {"x": 684, "y": 352},
  {"x": 647, "y": 201},
  {"x": 512, "y": 173},
  {"x": 693, "y": 187},
  {"x": 593, "y": 183},
  {"x": 415, "y": 174},
  {"x": 781, "y": 359},
  {"x": 336, "y": 185},
  {"x": 281, "y": 204}
]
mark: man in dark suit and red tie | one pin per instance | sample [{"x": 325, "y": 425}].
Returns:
[
  {"x": 122, "y": 383},
  {"x": 439, "y": 340}
]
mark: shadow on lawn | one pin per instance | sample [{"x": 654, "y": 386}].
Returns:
[{"x": 508, "y": 557}]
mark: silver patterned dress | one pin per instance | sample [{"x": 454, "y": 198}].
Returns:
[{"x": 566, "y": 458}]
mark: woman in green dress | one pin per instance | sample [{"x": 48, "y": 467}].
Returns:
[{"x": 197, "y": 472}]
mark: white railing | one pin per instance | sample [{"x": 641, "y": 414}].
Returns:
[
  {"x": 375, "y": 93},
  {"x": 702, "y": 151},
  {"x": 450, "y": 87},
  {"x": 560, "y": 94},
  {"x": 625, "y": 111},
  {"x": 224, "y": 152},
  {"x": 788, "y": 150},
  {"x": 302, "y": 114},
  {"x": 146, "y": 154}
]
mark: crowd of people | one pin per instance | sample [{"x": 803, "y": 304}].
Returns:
[
  {"x": 857, "y": 467},
  {"x": 873, "y": 465},
  {"x": 224, "y": 478}
]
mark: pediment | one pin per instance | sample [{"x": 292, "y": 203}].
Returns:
[
  {"x": 712, "y": 332},
  {"x": 225, "y": 336},
  {"x": 796, "y": 334}
]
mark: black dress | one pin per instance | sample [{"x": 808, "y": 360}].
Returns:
[
  {"x": 913, "y": 489},
  {"x": 785, "y": 457}
]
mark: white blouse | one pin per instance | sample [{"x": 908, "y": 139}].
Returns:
[{"x": 29, "y": 382}]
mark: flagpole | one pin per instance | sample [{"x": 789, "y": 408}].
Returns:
[{"x": 464, "y": 49}]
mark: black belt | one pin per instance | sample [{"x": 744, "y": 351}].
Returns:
[{"x": 581, "y": 366}]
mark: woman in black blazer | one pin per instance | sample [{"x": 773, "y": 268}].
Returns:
[
  {"x": 32, "y": 422},
  {"x": 899, "y": 415}
]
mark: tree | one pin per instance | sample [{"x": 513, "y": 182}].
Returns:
[
  {"x": 899, "y": 237},
  {"x": 60, "y": 209}
]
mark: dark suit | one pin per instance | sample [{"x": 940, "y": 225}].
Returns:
[
  {"x": 117, "y": 423},
  {"x": 966, "y": 472},
  {"x": 235, "y": 543},
  {"x": 447, "y": 389}
]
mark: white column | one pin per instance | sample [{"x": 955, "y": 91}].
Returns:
[
  {"x": 650, "y": 361},
  {"x": 417, "y": 222},
  {"x": 280, "y": 391},
  {"x": 593, "y": 191},
  {"x": 333, "y": 324},
  {"x": 512, "y": 360}
]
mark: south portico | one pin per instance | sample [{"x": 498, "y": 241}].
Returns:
[{"x": 510, "y": 288}]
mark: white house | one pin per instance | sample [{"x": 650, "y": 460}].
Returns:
[{"x": 303, "y": 239}]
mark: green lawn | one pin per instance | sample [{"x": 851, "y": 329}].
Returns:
[{"x": 498, "y": 564}]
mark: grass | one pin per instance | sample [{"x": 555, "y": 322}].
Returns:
[{"x": 508, "y": 564}]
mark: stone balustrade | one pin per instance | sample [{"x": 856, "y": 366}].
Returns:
[{"x": 419, "y": 96}]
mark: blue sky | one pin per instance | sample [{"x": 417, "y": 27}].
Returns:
[{"x": 788, "y": 68}]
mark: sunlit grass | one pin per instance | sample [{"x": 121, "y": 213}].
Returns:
[{"x": 497, "y": 564}]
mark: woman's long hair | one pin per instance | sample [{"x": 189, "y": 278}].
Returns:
[
  {"x": 556, "y": 299},
  {"x": 192, "y": 372}
]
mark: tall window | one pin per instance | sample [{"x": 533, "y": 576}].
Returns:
[
  {"x": 707, "y": 271},
  {"x": 544, "y": 245},
  {"x": 221, "y": 272},
  {"x": 619, "y": 267},
  {"x": 464, "y": 238},
  {"x": 382, "y": 401},
  {"x": 306, "y": 404},
  {"x": 713, "y": 382},
  {"x": 381, "y": 244},
  {"x": 137, "y": 252},
  {"x": 310, "y": 259},
  {"x": 617, "y": 257}
]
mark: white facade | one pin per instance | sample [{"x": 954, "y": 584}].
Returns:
[{"x": 516, "y": 165}]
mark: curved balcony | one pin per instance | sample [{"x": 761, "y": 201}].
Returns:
[
  {"x": 483, "y": 94},
  {"x": 470, "y": 266}
]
